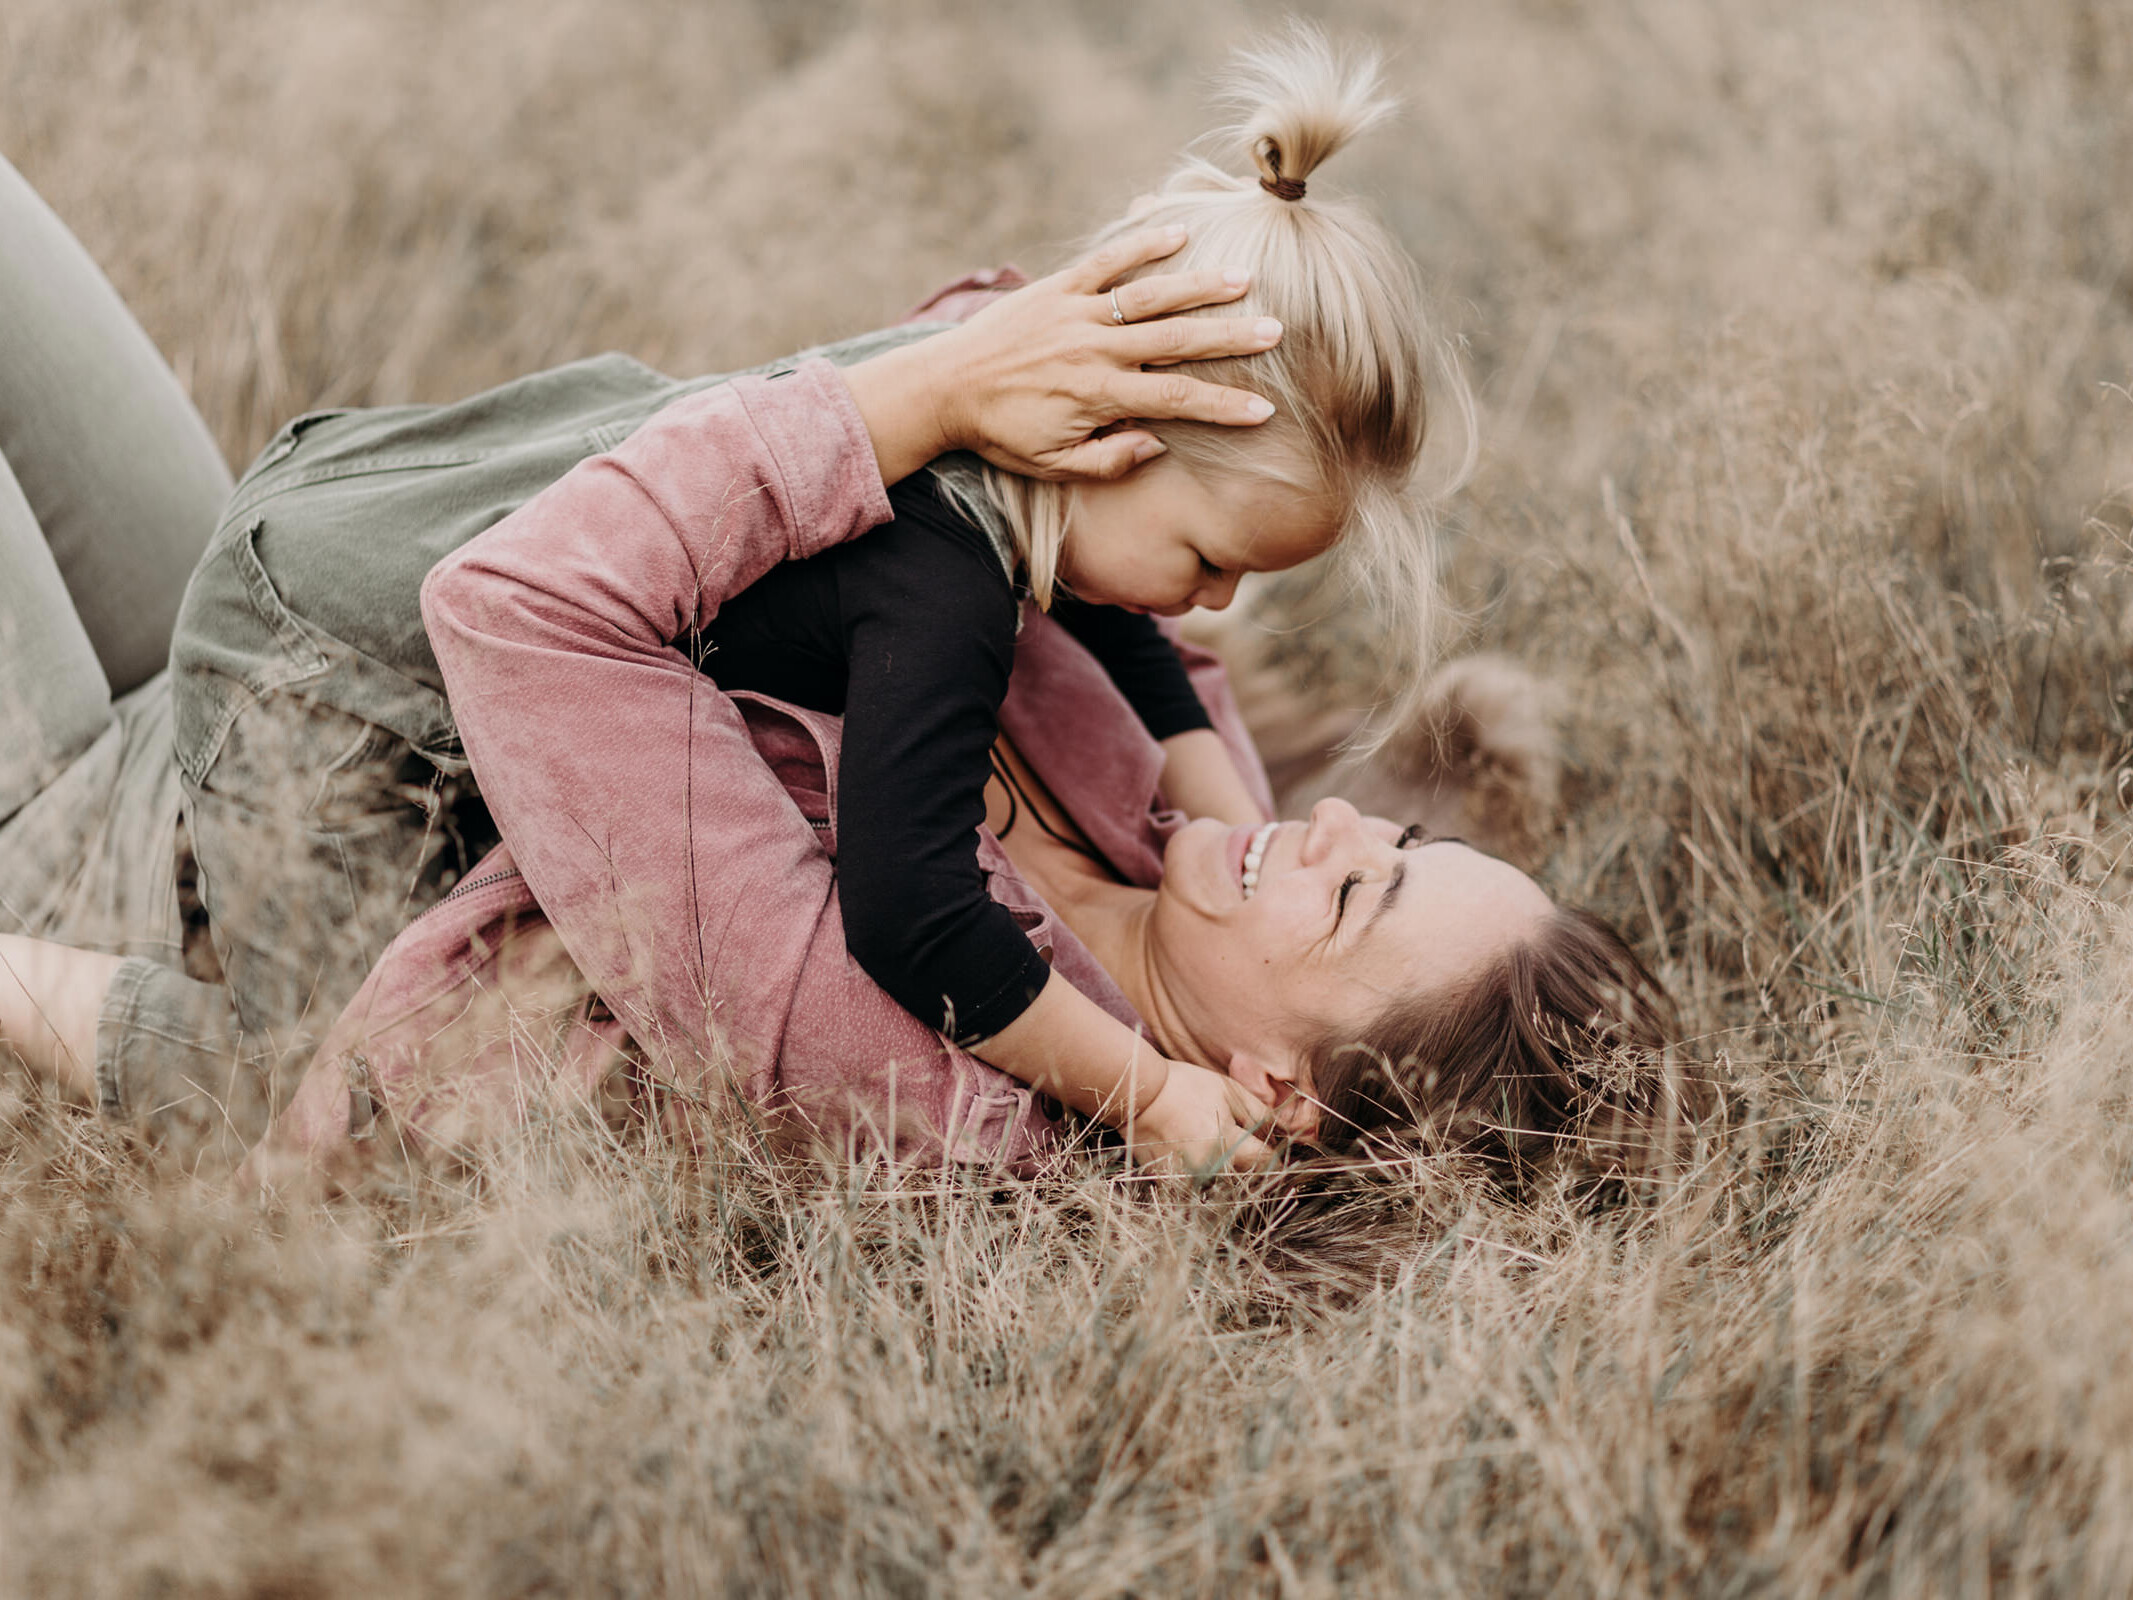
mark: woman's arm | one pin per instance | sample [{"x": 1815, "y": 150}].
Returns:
[
  {"x": 678, "y": 872},
  {"x": 671, "y": 861}
]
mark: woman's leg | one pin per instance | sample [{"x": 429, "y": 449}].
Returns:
[
  {"x": 114, "y": 463},
  {"x": 109, "y": 488},
  {"x": 53, "y": 697},
  {"x": 49, "y": 998},
  {"x": 319, "y": 835},
  {"x": 136, "y": 1040}
]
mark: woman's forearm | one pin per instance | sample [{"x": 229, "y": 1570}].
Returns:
[{"x": 898, "y": 395}]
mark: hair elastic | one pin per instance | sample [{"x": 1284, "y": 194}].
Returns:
[{"x": 1268, "y": 153}]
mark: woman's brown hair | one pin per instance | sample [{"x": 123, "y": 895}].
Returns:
[{"x": 1561, "y": 1047}]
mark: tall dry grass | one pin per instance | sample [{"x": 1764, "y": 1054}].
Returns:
[{"x": 1802, "y": 333}]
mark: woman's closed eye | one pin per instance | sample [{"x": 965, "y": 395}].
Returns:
[
  {"x": 1348, "y": 886},
  {"x": 1414, "y": 836}
]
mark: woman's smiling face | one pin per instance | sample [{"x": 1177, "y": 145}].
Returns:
[
  {"x": 1341, "y": 921},
  {"x": 1160, "y": 539}
]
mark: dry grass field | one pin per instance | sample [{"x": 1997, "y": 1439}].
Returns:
[{"x": 1802, "y": 333}]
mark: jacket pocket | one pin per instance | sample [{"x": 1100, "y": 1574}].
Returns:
[
  {"x": 235, "y": 643},
  {"x": 985, "y": 1127}
]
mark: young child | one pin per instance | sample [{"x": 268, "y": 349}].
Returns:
[{"x": 909, "y": 631}]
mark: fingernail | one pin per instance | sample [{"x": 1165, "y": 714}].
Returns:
[
  {"x": 1236, "y": 277},
  {"x": 1148, "y": 449},
  {"x": 1267, "y": 329},
  {"x": 1259, "y": 408},
  {"x": 1175, "y": 230}
]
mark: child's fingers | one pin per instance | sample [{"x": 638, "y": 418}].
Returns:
[{"x": 1250, "y": 1155}]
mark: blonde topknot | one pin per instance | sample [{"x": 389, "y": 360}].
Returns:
[
  {"x": 1350, "y": 379},
  {"x": 1297, "y": 102}
]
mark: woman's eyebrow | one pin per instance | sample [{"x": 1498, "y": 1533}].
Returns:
[{"x": 1385, "y": 900}]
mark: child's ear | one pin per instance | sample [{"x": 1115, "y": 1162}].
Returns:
[{"x": 1273, "y": 1078}]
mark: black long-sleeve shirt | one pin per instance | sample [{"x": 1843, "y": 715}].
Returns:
[{"x": 909, "y": 633}]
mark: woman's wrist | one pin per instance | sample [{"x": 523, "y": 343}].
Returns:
[{"x": 900, "y": 396}]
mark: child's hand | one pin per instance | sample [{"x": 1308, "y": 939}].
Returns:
[{"x": 1200, "y": 1121}]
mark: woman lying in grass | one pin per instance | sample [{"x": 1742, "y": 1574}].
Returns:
[{"x": 675, "y": 849}]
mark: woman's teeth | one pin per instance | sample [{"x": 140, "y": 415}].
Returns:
[{"x": 1255, "y": 853}]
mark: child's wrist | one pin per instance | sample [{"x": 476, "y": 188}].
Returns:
[{"x": 1146, "y": 1078}]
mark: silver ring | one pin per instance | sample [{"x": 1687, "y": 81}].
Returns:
[{"x": 1117, "y": 315}]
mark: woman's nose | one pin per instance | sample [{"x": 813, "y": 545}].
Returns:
[{"x": 1333, "y": 820}]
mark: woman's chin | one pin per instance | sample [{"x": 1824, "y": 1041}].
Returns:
[{"x": 1201, "y": 866}]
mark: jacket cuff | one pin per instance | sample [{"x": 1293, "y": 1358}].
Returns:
[{"x": 832, "y": 486}]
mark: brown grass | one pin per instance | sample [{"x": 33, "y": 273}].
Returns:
[{"x": 1796, "y": 329}]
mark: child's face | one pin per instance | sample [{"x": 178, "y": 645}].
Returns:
[{"x": 1161, "y": 539}]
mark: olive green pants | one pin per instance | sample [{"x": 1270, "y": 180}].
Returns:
[{"x": 109, "y": 488}]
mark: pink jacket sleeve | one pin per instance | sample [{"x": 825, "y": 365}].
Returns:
[{"x": 680, "y": 875}]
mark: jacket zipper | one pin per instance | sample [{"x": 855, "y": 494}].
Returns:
[{"x": 469, "y": 885}]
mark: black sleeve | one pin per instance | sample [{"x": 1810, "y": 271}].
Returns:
[
  {"x": 1143, "y": 664},
  {"x": 930, "y": 617}
]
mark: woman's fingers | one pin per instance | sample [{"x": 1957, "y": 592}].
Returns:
[
  {"x": 1142, "y": 395},
  {"x": 1174, "y": 339},
  {"x": 1162, "y": 293},
  {"x": 1106, "y": 456},
  {"x": 1173, "y": 395},
  {"x": 1036, "y": 381},
  {"x": 1096, "y": 272}
]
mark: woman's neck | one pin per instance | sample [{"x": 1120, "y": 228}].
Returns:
[{"x": 1113, "y": 920}]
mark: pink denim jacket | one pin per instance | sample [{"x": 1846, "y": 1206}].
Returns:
[{"x": 669, "y": 876}]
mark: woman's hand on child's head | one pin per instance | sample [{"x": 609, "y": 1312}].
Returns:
[
  {"x": 1200, "y": 1121},
  {"x": 1044, "y": 370},
  {"x": 1036, "y": 381}
]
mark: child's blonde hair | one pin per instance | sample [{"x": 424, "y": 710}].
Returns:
[{"x": 1348, "y": 378}]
